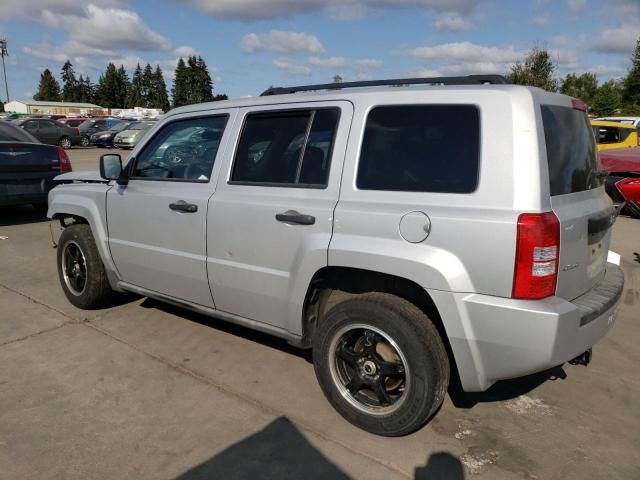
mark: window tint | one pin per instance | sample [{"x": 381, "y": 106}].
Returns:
[
  {"x": 292, "y": 148},
  {"x": 421, "y": 148},
  {"x": 31, "y": 125},
  {"x": 175, "y": 154},
  {"x": 12, "y": 133},
  {"x": 571, "y": 150}
]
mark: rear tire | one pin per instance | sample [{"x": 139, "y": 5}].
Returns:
[
  {"x": 381, "y": 363},
  {"x": 632, "y": 209},
  {"x": 65, "y": 142},
  {"x": 80, "y": 269}
]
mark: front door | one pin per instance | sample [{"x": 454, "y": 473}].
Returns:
[
  {"x": 271, "y": 219},
  {"x": 157, "y": 223}
]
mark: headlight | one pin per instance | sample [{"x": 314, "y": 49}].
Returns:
[{"x": 105, "y": 135}]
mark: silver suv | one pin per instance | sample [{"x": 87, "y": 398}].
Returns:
[{"x": 408, "y": 231}]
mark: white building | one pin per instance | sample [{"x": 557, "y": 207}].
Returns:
[{"x": 47, "y": 108}]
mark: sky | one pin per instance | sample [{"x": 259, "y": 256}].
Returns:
[{"x": 250, "y": 45}]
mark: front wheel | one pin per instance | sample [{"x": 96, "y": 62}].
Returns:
[
  {"x": 84, "y": 141},
  {"x": 80, "y": 269},
  {"x": 381, "y": 363}
]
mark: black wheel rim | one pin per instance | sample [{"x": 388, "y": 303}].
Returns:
[
  {"x": 369, "y": 369},
  {"x": 74, "y": 268}
]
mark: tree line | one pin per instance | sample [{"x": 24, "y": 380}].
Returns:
[
  {"x": 147, "y": 88},
  {"x": 617, "y": 96}
]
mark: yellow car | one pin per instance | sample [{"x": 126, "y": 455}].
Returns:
[{"x": 614, "y": 135}]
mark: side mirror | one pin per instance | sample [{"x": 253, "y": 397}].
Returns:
[{"x": 110, "y": 166}]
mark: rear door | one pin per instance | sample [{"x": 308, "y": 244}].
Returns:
[
  {"x": 578, "y": 198},
  {"x": 49, "y": 132}
]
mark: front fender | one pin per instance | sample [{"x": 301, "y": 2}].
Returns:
[{"x": 87, "y": 201}]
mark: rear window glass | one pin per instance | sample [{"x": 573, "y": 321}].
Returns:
[
  {"x": 608, "y": 134},
  {"x": 421, "y": 148},
  {"x": 571, "y": 150}
]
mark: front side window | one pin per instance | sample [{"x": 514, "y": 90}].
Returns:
[
  {"x": 176, "y": 154},
  {"x": 290, "y": 148},
  {"x": 421, "y": 148}
]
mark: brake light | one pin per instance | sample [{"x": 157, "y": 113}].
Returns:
[
  {"x": 65, "y": 163},
  {"x": 579, "y": 104},
  {"x": 537, "y": 254}
]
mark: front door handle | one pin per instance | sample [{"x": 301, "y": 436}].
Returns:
[
  {"x": 182, "y": 206},
  {"x": 291, "y": 216}
]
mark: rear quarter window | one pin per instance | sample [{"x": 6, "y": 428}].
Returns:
[
  {"x": 421, "y": 148},
  {"x": 571, "y": 150}
]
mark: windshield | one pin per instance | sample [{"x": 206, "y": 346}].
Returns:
[
  {"x": 118, "y": 127},
  {"x": 141, "y": 126},
  {"x": 571, "y": 150},
  {"x": 87, "y": 124}
]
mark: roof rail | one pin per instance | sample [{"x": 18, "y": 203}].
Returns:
[{"x": 468, "y": 80}]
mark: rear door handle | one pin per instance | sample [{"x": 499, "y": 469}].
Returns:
[
  {"x": 182, "y": 206},
  {"x": 291, "y": 216}
]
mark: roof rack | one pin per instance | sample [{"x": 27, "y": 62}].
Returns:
[{"x": 468, "y": 80}]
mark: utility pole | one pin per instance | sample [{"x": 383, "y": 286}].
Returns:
[{"x": 4, "y": 53}]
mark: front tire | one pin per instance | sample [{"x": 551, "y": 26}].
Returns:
[
  {"x": 381, "y": 363},
  {"x": 80, "y": 269},
  {"x": 84, "y": 141}
]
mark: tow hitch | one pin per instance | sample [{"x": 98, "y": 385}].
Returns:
[{"x": 582, "y": 359}]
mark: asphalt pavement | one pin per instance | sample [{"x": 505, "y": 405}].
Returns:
[{"x": 148, "y": 391}]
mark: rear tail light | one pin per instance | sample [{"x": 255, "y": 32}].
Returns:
[
  {"x": 65, "y": 163},
  {"x": 537, "y": 256}
]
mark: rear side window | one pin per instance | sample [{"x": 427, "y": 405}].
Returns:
[
  {"x": 571, "y": 150},
  {"x": 608, "y": 134},
  {"x": 421, "y": 148},
  {"x": 286, "y": 148}
]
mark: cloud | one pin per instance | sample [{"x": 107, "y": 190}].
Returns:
[
  {"x": 117, "y": 28},
  {"x": 368, "y": 63},
  {"x": 290, "y": 66},
  {"x": 464, "y": 51},
  {"x": 31, "y": 10},
  {"x": 281, "y": 42},
  {"x": 130, "y": 62},
  {"x": 186, "y": 51},
  {"x": 620, "y": 39},
  {"x": 542, "y": 19},
  {"x": 331, "y": 62},
  {"x": 607, "y": 70},
  {"x": 576, "y": 5},
  {"x": 452, "y": 23},
  {"x": 337, "y": 9}
]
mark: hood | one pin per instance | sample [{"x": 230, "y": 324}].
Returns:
[
  {"x": 621, "y": 160},
  {"x": 89, "y": 176}
]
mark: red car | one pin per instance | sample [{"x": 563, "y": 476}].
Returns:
[{"x": 623, "y": 182}]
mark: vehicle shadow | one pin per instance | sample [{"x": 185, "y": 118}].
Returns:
[
  {"x": 281, "y": 451},
  {"x": 21, "y": 215},
  {"x": 504, "y": 389},
  {"x": 236, "y": 330}
]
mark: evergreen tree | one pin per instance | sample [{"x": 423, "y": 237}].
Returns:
[
  {"x": 536, "y": 71},
  {"x": 607, "y": 100},
  {"x": 203, "y": 85},
  {"x": 69, "y": 83},
  {"x": 106, "y": 91},
  {"x": 136, "y": 92},
  {"x": 631, "y": 87},
  {"x": 123, "y": 86},
  {"x": 583, "y": 87},
  {"x": 159, "y": 98},
  {"x": 147, "y": 86},
  {"x": 219, "y": 97},
  {"x": 49, "y": 88},
  {"x": 85, "y": 90},
  {"x": 180, "y": 88}
]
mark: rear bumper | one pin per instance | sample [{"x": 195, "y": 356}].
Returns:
[
  {"x": 506, "y": 338},
  {"x": 28, "y": 188}
]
